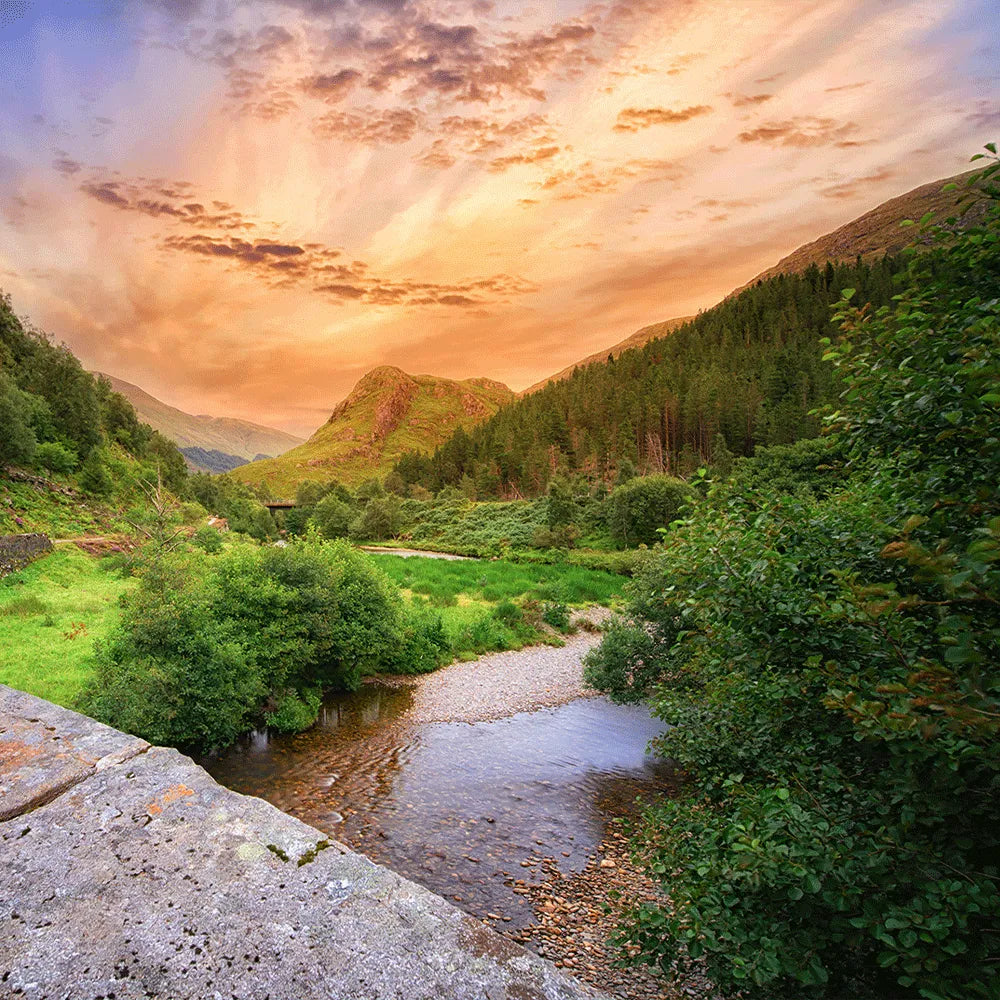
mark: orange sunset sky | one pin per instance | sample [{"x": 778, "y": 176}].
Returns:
[{"x": 242, "y": 206}]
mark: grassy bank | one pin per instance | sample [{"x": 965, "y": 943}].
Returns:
[
  {"x": 51, "y": 613},
  {"x": 497, "y": 605}
]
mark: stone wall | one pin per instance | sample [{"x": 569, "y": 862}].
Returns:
[
  {"x": 16, "y": 551},
  {"x": 126, "y": 871}
]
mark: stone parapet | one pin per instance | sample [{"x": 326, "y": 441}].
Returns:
[{"x": 127, "y": 871}]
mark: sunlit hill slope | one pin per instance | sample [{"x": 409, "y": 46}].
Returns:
[{"x": 386, "y": 414}]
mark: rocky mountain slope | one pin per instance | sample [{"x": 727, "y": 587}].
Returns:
[
  {"x": 879, "y": 231},
  {"x": 212, "y": 444},
  {"x": 386, "y": 414}
]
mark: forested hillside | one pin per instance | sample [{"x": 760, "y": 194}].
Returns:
[
  {"x": 59, "y": 418},
  {"x": 745, "y": 373}
]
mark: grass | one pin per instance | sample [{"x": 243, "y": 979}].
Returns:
[
  {"x": 492, "y": 606},
  {"x": 443, "y": 581},
  {"x": 39, "y": 509},
  {"x": 51, "y": 613}
]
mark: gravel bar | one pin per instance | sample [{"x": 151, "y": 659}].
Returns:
[{"x": 503, "y": 684}]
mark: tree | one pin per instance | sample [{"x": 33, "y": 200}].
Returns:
[
  {"x": 333, "y": 517},
  {"x": 640, "y": 507},
  {"x": 17, "y": 440}
]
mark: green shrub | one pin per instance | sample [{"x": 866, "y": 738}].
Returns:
[
  {"x": 172, "y": 672},
  {"x": 557, "y": 615},
  {"x": 294, "y": 712},
  {"x": 55, "y": 457},
  {"x": 638, "y": 509},
  {"x": 203, "y": 643},
  {"x": 207, "y": 539},
  {"x": 423, "y": 645}
]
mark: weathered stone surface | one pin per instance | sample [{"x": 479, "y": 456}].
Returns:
[
  {"x": 45, "y": 749},
  {"x": 16, "y": 551},
  {"x": 148, "y": 879}
]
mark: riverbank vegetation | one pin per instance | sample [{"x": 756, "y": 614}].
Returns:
[
  {"x": 192, "y": 643},
  {"x": 824, "y": 641}
]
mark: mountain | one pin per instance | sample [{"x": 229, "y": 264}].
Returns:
[
  {"x": 879, "y": 231},
  {"x": 744, "y": 373},
  {"x": 637, "y": 339},
  {"x": 210, "y": 444},
  {"x": 385, "y": 415},
  {"x": 870, "y": 235}
]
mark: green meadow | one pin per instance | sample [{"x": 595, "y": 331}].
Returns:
[{"x": 51, "y": 614}]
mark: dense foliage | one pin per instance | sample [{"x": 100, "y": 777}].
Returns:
[
  {"x": 745, "y": 373},
  {"x": 828, "y": 657},
  {"x": 57, "y": 416},
  {"x": 207, "y": 644}
]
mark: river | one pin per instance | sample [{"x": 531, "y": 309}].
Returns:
[{"x": 461, "y": 808}]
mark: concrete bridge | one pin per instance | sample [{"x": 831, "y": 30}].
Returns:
[{"x": 127, "y": 872}]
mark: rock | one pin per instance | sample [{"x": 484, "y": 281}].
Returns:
[{"x": 129, "y": 871}]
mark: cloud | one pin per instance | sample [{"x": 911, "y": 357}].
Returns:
[
  {"x": 856, "y": 186},
  {"x": 846, "y": 86},
  {"x": 159, "y": 199},
  {"x": 634, "y": 119},
  {"x": 331, "y": 87},
  {"x": 803, "y": 133},
  {"x": 589, "y": 179},
  {"x": 369, "y": 126},
  {"x": 748, "y": 100},
  {"x": 502, "y": 163}
]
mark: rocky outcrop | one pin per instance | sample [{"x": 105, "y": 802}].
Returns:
[
  {"x": 126, "y": 871},
  {"x": 16, "y": 551}
]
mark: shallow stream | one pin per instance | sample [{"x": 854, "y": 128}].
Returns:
[{"x": 456, "y": 807}]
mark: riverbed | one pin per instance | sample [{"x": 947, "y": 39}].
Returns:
[{"x": 459, "y": 807}]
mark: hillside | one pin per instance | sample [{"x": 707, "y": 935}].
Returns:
[
  {"x": 385, "y": 415},
  {"x": 638, "y": 339},
  {"x": 212, "y": 444},
  {"x": 744, "y": 373},
  {"x": 879, "y": 231}
]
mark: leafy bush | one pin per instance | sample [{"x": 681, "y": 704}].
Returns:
[
  {"x": 55, "y": 457},
  {"x": 826, "y": 659},
  {"x": 294, "y": 712},
  {"x": 556, "y": 615},
  {"x": 207, "y": 539},
  {"x": 203, "y": 643},
  {"x": 639, "y": 508}
]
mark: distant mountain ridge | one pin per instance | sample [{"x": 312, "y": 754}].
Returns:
[
  {"x": 210, "y": 444},
  {"x": 387, "y": 413},
  {"x": 880, "y": 231}
]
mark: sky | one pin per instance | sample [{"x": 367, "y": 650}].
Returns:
[{"x": 244, "y": 205}]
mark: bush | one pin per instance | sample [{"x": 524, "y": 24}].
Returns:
[
  {"x": 94, "y": 477},
  {"x": 55, "y": 457},
  {"x": 207, "y": 539},
  {"x": 827, "y": 660},
  {"x": 204, "y": 643},
  {"x": 172, "y": 672},
  {"x": 294, "y": 712},
  {"x": 639, "y": 508}
]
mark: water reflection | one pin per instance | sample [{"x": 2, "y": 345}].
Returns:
[{"x": 456, "y": 806}]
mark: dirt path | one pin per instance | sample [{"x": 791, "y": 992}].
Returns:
[{"x": 407, "y": 553}]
